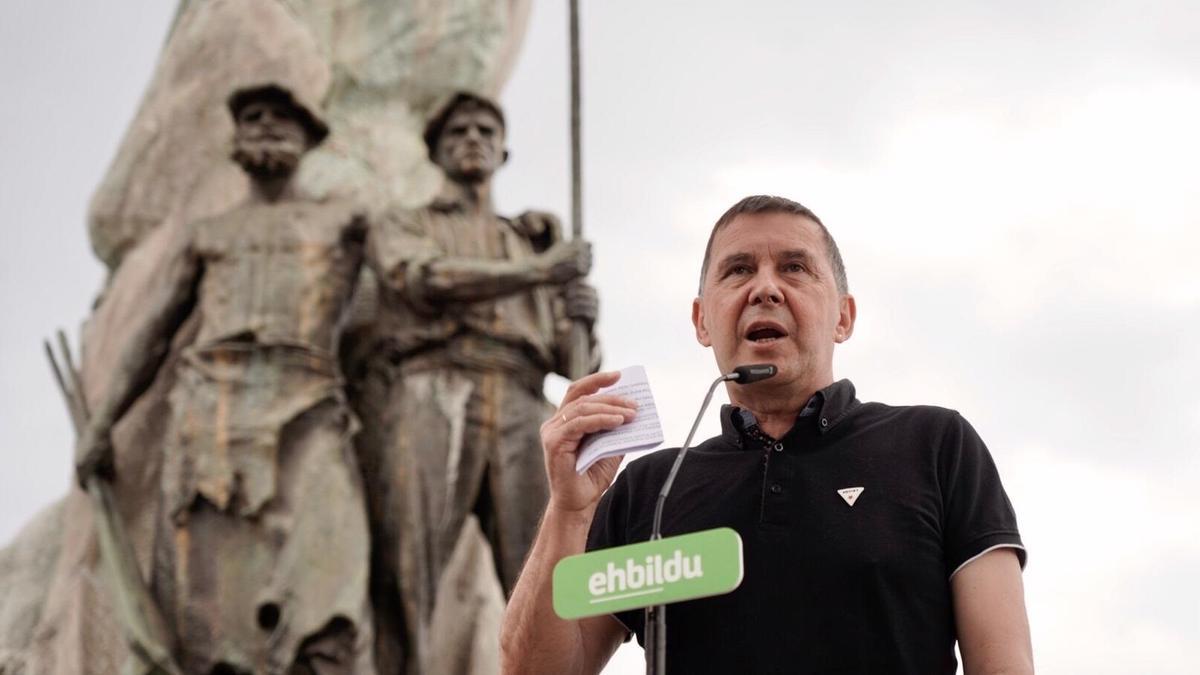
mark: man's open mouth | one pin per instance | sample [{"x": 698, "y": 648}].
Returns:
[{"x": 765, "y": 334}]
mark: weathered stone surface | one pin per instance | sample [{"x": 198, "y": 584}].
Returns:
[
  {"x": 173, "y": 162},
  {"x": 469, "y": 609},
  {"x": 78, "y": 632},
  {"x": 24, "y": 583},
  {"x": 474, "y": 311},
  {"x": 380, "y": 68}
]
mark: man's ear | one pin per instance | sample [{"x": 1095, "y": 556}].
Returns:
[
  {"x": 847, "y": 312},
  {"x": 698, "y": 322}
]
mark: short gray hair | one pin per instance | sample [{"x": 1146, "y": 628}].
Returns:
[{"x": 763, "y": 204}]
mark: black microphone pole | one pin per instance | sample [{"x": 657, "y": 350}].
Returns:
[{"x": 656, "y": 615}]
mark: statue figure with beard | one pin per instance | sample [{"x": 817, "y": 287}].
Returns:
[{"x": 261, "y": 558}]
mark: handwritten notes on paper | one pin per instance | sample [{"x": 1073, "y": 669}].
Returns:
[{"x": 642, "y": 433}]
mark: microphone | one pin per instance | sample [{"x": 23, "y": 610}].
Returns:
[
  {"x": 754, "y": 373},
  {"x": 656, "y": 624},
  {"x": 741, "y": 375}
]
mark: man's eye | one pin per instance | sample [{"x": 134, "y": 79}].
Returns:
[
  {"x": 794, "y": 267},
  {"x": 740, "y": 269}
]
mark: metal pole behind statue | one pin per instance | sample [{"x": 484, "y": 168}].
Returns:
[
  {"x": 580, "y": 339},
  {"x": 143, "y": 624}
]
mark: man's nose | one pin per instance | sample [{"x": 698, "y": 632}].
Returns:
[{"x": 765, "y": 290}]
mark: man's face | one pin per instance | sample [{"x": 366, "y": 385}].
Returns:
[
  {"x": 471, "y": 146},
  {"x": 269, "y": 140},
  {"x": 770, "y": 297}
]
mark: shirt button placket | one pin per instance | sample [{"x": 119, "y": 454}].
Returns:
[{"x": 775, "y": 506}]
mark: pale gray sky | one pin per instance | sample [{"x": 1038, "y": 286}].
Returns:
[{"x": 1012, "y": 185}]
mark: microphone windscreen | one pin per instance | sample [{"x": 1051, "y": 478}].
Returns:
[{"x": 754, "y": 373}]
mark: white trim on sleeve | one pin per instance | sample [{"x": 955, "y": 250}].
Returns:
[{"x": 989, "y": 549}]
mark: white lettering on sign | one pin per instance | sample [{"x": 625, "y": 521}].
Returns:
[{"x": 635, "y": 578}]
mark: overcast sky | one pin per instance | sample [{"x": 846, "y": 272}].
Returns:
[{"x": 1013, "y": 186}]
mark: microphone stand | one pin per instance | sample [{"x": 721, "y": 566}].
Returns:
[{"x": 656, "y": 615}]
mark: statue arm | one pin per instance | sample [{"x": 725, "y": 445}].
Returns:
[
  {"x": 472, "y": 279},
  {"x": 575, "y": 303},
  {"x": 167, "y": 306},
  {"x": 413, "y": 265}
]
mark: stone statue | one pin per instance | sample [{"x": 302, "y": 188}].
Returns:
[
  {"x": 261, "y": 551},
  {"x": 379, "y": 68},
  {"x": 474, "y": 310}
]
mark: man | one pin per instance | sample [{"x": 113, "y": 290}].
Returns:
[
  {"x": 261, "y": 562},
  {"x": 874, "y": 536},
  {"x": 474, "y": 310}
]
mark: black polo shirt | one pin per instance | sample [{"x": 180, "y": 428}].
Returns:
[{"x": 834, "y": 583}]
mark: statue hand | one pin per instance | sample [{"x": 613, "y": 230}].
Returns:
[
  {"x": 541, "y": 228},
  {"x": 582, "y": 412},
  {"x": 582, "y": 302},
  {"x": 93, "y": 454},
  {"x": 567, "y": 260}
]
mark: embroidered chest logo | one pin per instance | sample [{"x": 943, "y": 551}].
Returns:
[{"x": 850, "y": 494}]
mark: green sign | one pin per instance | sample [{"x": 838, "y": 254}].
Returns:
[{"x": 685, "y": 567}]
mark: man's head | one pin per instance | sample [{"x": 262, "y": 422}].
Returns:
[
  {"x": 272, "y": 130},
  {"x": 763, "y": 204},
  {"x": 773, "y": 290},
  {"x": 466, "y": 138}
]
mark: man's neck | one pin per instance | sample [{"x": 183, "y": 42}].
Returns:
[
  {"x": 775, "y": 409},
  {"x": 475, "y": 196}
]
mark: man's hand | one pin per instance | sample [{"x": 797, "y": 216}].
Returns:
[
  {"x": 93, "y": 454},
  {"x": 582, "y": 412},
  {"x": 533, "y": 639},
  {"x": 566, "y": 260},
  {"x": 582, "y": 302}
]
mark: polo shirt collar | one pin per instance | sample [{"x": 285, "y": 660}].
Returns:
[{"x": 822, "y": 413}]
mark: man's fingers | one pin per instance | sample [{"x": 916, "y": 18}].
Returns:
[
  {"x": 606, "y": 469},
  {"x": 575, "y": 428},
  {"x": 589, "y": 385},
  {"x": 563, "y": 433},
  {"x": 593, "y": 405}
]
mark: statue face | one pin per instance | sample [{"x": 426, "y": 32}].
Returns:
[
  {"x": 471, "y": 146},
  {"x": 269, "y": 140}
]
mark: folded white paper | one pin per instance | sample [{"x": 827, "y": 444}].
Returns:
[{"x": 643, "y": 432}]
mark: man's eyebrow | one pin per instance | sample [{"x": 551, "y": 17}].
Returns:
[
  {"x": 797, "y": 254},
  {"x": 734, "y": 259}
]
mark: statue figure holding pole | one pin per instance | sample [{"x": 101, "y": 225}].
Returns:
[{"x": 474, "y": 311}]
